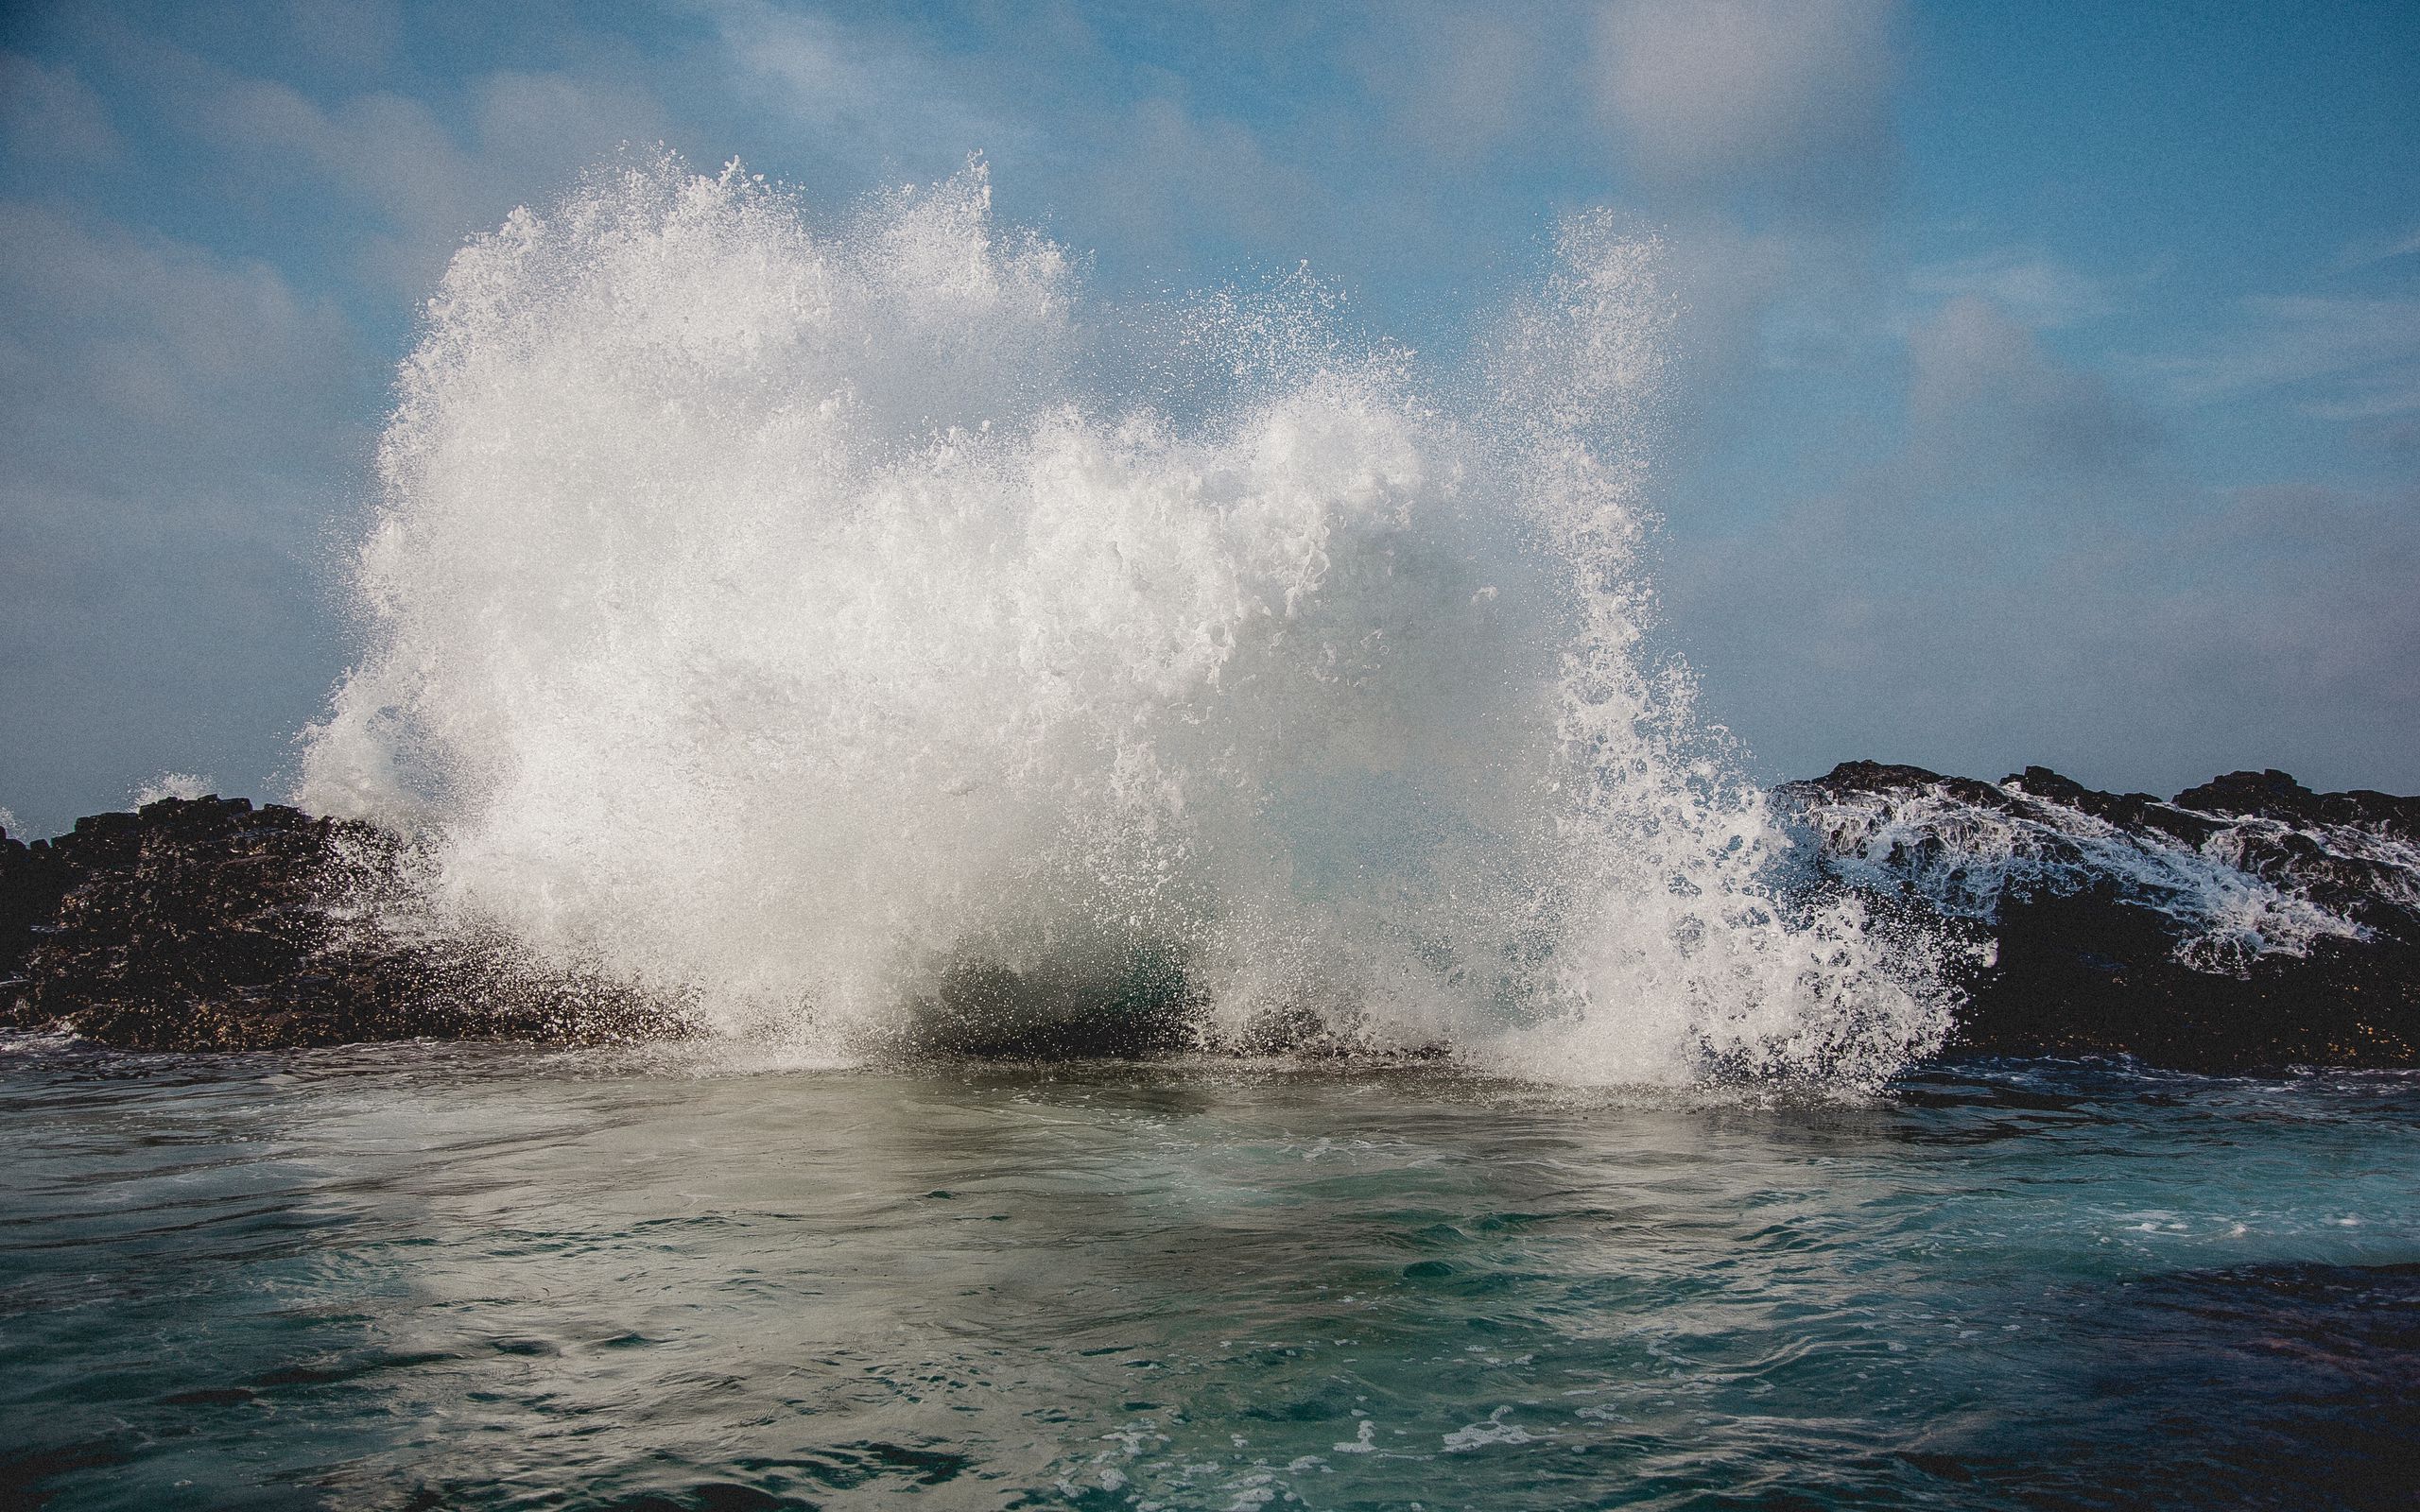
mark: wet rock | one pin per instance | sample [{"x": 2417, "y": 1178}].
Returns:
[
  {"x": 2275, "y": 796},
  {"x": 2247, "y": 924},
  {"x": 33, "y": 880},
  {"x": 208, "y": 924}
]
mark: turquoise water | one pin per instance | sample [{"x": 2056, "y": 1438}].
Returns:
[{"x": 432, "y": 1276}]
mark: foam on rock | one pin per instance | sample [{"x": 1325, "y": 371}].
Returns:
[{"x": 2246, "y": 923}]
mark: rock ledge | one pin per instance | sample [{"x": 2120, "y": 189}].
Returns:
[{"x": 208, "y": 924}]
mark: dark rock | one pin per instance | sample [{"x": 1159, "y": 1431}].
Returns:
[
  {"x": 33, "y": 880},
  {"x": 206, "y": 924},
  {"x": 2272, "y": 795},
  {"x": 2087, "y": 973},
  {"x": 2106, "y": 916},
  {"x": 2117, "y": 808},
  {"x": 1877, "y": 776}
]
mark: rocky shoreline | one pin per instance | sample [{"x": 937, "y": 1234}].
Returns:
[
  {"x": 2248, "y": 925},
  {"x": 209, "y": 925}
]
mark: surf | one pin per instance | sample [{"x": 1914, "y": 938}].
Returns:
[{"x": 850, "y": 628}]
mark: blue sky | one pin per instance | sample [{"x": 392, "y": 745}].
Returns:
[{"x": 2050, "y": 389}]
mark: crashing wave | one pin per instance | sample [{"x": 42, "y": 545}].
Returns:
[{"x": 851, "y": 630}]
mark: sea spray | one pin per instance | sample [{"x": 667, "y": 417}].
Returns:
[{"x": 826, "y": 629}]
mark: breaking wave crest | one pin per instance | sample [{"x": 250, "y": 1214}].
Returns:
[{"x": 843, "y": 629}]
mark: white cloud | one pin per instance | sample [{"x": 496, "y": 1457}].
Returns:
[
  {"x": 2020, "y": 580},
  {"x": 1983, "y": 395},
  {"x": 49, "y": 114},
  {"x": 1457, "y": 81},
  {"x": 858, "y": 92},
  {"x": 174, "y": 426},
  {"x": 430, "y": 178},
  {"x": 2132, "y": 646},
  {"x": 120, "y": 350},
  {"x": 1793, "y": 91},
  {"x": 383, "y": 151},
  {"x": 1162, "y": 181}
]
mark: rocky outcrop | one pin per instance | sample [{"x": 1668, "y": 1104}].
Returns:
[
  {"x": 2249, "y": 923},
  {"x": 208, "y": 924},
  {"x": 2246, "y": 924}
]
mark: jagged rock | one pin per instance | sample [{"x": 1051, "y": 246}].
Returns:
[
  {"x": 207, "y": 924},
  {"x": 2275, "y": 796},
  {"x": 2247, "y": 924}
]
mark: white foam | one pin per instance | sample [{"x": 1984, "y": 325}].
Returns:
[
  {"x": 1494, "y": 1430},
  {"x": 785, "y": 617},
  {"x": 186, "y": 785},
  {"x": 2237, "y": 895}
]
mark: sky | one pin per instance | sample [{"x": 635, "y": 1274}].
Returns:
[{"x": 2048, "y": 388}]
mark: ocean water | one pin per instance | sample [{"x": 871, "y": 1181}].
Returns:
[{"x": 712, "y": 1278}]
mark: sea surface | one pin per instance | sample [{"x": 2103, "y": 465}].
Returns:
[{"x": 426, "y": 1276}]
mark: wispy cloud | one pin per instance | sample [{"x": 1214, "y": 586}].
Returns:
[
  {"x": 860, "y": 91},
  {"x": 1182, "y": 179},
  {"x": 2026, "y": 282},
  {"x": 409, "y": 176},
  {"x": 121, "y": 349},
  {"x": 2338, "y": 358},
  {"x": 2369, "y": 251}
]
